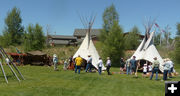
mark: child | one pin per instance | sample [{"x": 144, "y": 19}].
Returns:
[
  {"x": 150, "y": 67},
  {"x": 144, "y": 70}
]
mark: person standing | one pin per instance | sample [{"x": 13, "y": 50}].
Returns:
[
  {"x": 71, "y": 64},
  {"x": 155, "y": 67},
  {"x": 149, "y": 69},
  {"x": 166, "y": 66},
  {"x": 65, "y": 64},
  {"x": 55, "y": 61},
  {"x": 171, "y": 68},
  {"x": 133, "y": 65},
  {"x": 145, "y": 70},
  {"x": 100, "y": 64},
  {"x": 89, "y": 63},
  {"x": 128, "y": 65},
  {"x": 108, "y": 65},
  {"x": 78, "y": 61},
  {"x": 122, "y": 63}
]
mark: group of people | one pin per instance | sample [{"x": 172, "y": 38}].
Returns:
[
  {"x": 131, "y": 66},
  {"x": 79, "y": 62},
  {"x": 168, "y": 67}
]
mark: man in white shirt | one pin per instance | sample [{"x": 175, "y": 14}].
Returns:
[
  {"x": 100, "y": 64},
  {"x": 171, "y": 67},
  {"x": 166, "y": 66},
  {"x": 89, "y": 63}
]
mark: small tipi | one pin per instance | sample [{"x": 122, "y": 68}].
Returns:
[
  {"x": 147, "y": 50},
  {"x": 87, "y": 48}
]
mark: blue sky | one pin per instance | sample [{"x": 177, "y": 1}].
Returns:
[{"x": 62, "y": 15}]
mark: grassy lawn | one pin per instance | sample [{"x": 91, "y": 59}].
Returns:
[{"x": 43, "y": 81}]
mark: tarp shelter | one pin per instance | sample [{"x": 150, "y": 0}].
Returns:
[
  {"x": 147, "y": 51},
  {"x": 38, "y": 58},
  {"x": 87, "y": 48}
]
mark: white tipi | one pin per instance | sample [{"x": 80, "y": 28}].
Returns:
[
  {"x": 87, "y": 48},
  {"x": 147, "y": 50}
]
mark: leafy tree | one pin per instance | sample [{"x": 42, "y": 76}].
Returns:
[
  {"x": 113, "y": 46},
  {"x": 28, "y": 38},
  {"x": 13, "y": 31},
  {"x": 177, "y": 46},
  {"x": 132, "y": 39},
  {"x": 109, "y": 16},
  {"x": 178, "y": 30},
  {"x": 34, "y": 38}
]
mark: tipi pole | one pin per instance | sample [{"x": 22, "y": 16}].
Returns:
[
  {"x": 9, "y": 65},
  {"x": 13, "y": 72},
  {"x": 12, "y": 63},
  {"x": 3, "y": 72}
]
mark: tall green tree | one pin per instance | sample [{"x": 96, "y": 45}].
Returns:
[
  {"x": 34, "y": 38},
  {"x": 177, "y": 45},
  {"x": 110, "y": 16},
  {"x": 132, "y": 40},
  {"x": 113, "y": 46},
  {"x": 13, "y": 31},
  {"x": 39, "y": 37}
]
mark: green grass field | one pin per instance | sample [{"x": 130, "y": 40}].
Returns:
[{"x": 43, "y": 81}]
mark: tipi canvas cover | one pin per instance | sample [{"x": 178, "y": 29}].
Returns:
[
  {"x": 147, "y": 51},
  {"x": 87, "y": 48}
]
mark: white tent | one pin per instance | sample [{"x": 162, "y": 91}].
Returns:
[
  {"x": 147, "y": 51},
  {"x": 87, "y": 48}
]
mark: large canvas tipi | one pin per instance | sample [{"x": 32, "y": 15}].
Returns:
[
  {"x": 87, "y": 48},
  {"x": 147, "y": 50}
]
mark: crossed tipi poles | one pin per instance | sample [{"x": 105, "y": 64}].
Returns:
[
  {"x": 88, "y": 25},
  {"x": 10, "y": 64}
]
